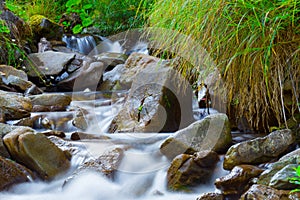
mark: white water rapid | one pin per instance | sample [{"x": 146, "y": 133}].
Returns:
[{"x": 141, "y": 174}]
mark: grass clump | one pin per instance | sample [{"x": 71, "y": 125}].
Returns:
[{"x": 255, "y": 45}]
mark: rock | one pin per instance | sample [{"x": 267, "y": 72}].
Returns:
[
  {"x": 111, "y": 78},
  {"x": 111, "y": 59},
  {"x": 11, "y": 173},
  {"x": 280, "y": 180},
  {"x": 189, "y": 170},
  {"x": 2, "y": 117},
  {"x": 21, "y": 85},
  {"x": 106, "y": 164},
  {"x": 259, "y": 150},
  {"x": 274, "y": 171},
  {"x": 59, "y": 134},
  {"x": 211, "y": 196},
  {"x": 159, "y": 101},
  {"x": 9, "y": 70},
  {"x": 83, "y": 136},
  {"x": 51, "y": 100},
  {"x": 4, "y": 129},
  {"x": 259, "y": 192},
  {"x": 14, "y": 106},
  {"x": 80, "y": 122},
  {"x": 19, "y": 29},
  {"x": 123, "y": 77},
  {"x": 45, "y": 64},
  {"x": 237, "y": 182},
  {"x": 36, "y": 152},
  {"x": 211, "y": 133},
  {"x": 44, "y": 27},
  {"x": 88, "y": 76}
]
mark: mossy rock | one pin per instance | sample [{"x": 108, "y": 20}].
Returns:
[{"x": 44, "y": 27}]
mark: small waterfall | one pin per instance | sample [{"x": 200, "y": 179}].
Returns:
[{"x": 84, "y": 44}]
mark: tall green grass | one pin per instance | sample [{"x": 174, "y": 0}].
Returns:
[{"x": 254, "y": 44}]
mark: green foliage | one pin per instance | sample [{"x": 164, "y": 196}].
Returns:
[
  {"x": 296, "y": 179},
  {"x": 83, "y": 10},
  {"x": 253, "y": 43},
  {"x": 25, "y": 9}
]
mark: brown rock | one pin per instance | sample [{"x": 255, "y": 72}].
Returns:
[
  {"x": 211, "y": 196},
  {"x": 51, "y": 100},
  {"x": 36, "y": 152},
  {"x": 237, "y": 181},
  {"x": 14, "y": 106},
  {"x": 260, "y": 192},
  {"x": 189, "y": 170},
  {"x": 11, "y": 173}
]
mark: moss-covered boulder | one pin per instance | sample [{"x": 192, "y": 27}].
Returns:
[{"x": 43, "y": 27}]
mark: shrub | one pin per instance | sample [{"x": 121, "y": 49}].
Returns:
[{"x": 254, "y": 44}]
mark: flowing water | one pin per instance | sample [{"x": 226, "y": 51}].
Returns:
[{"x": 142, "y": 171}]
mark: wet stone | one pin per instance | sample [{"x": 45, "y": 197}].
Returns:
[
  {"x": 12, "y": 173},
  {"x": 237, "y": 181},
  {"x": 211, "y": 196},
  {"x": 190, "y": 170},
  {"x": 36, "y": 152},
  {"x": 106, "y": 164},
  {"x": 261, "y": 192}
]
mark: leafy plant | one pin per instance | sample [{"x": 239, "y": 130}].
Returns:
[
  {"x": 83, "y": 10},
  {"x": 296, "y": 179}
]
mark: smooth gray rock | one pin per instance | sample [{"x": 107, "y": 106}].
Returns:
[
  {"x": 211, "y": 133},
  {"x": 259, "y": 150},
  {"x": 47, "y": 63}
]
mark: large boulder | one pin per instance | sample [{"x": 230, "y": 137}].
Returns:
[
  {"x": 237, "y": 181},
  {"x": 259, "y": 150},
  {"x": 14, "y": 106},
  {"x": 36, "y": 152},
  {"x": 160, "y": 100},
  {"x": 11, "y": 173},
  {"x": 48, "y": 63},
  {"x": 211, "y": 133},
  {"x": 189, "y": 170}
]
